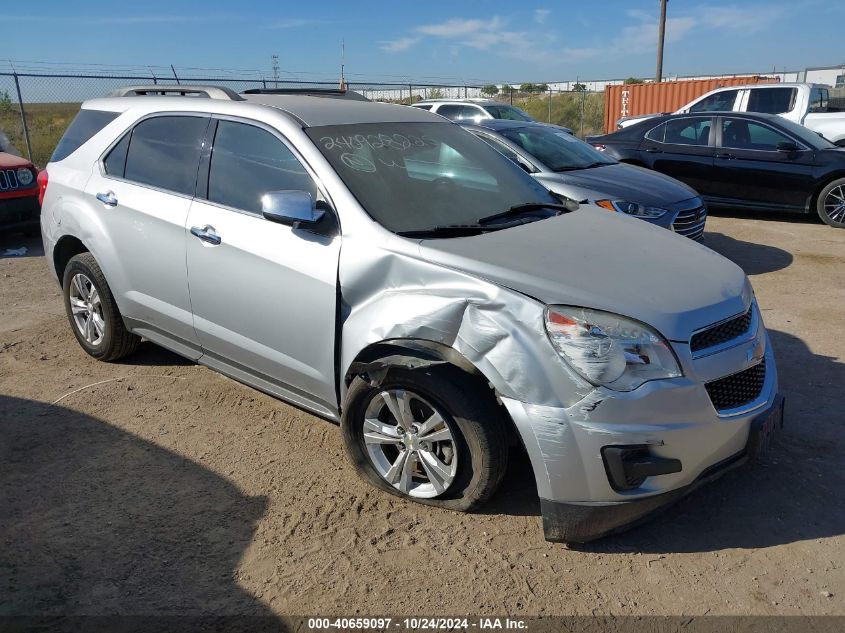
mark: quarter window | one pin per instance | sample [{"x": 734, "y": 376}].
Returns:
[
  {"x": 771, "y": 100},
  {"x": 164, "y": 152},
  {"x": 743, "y": 134},
  {"x": 115, "y": 162},
  {"x": 721, "y": 101},
  {"x": 248, "y": 162}
]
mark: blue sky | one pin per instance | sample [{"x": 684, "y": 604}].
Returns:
[{"x": 467, "y": 41}]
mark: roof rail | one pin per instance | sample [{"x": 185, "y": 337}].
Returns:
[
  {"x": 209, "y": 92},
  {"x": 337, "y": 93}
]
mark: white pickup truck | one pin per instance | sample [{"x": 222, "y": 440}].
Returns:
[{"x": 803, "y": 103}]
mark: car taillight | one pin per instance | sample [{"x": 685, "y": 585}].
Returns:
[{"x": 42, "y": 186}]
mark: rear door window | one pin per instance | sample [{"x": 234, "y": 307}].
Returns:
[
  {"x": 459, "y": 112},
  {"x": 686, "y": 131},
  {"x": 818, "y": 100},
  {"x": 771, "y": 100},
  {"x": 164, "y": 152},
  {"x": 83, "y": 127},
  {"x": 248, "y": 162},
  {"x": 721, "y": 101}
]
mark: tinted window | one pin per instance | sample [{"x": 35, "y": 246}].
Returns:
[
  {"x": 499, "y": 147},
  {"x": 556, "y": 149},
  {"x": 771, "y": 100},
  {"x": 247, "y": 162},
  {"x": 743, "y": 134},
  {"x": 164, "y": 152},
  {"x": 85, "y": 125},
  {"x": 720, "y": 101},
  {"x": 507, "y": 112},
  {"x": 115, "y": 162},
  {"x": 458, "y": 112},
  {"x": 687, "y": 131},
  {"x": 414, "y": 176},
  {"x": 818, "y": 100}
]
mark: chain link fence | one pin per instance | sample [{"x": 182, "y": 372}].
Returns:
[{"x": 36, "y": 108}]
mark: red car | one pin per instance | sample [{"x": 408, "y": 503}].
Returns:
[{"x": 19, "y": 207}]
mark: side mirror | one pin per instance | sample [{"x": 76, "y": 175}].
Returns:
[
  {"x": 787, "y": 146},
  {"x": 293, "y": 208}
]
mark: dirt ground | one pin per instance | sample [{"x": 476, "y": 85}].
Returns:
[{"x": 155, "y": 486}]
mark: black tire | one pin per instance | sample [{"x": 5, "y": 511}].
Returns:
[
  {"x": 821, "y": 199},
  {"x": 116, "y": 341},
  {"x": 475, "y": 421}
]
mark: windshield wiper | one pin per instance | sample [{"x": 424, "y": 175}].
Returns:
[
  {"x": 575, "y": 168},
  {"x": 528, "y": 207},
  {"x": 448, "y": 230}
]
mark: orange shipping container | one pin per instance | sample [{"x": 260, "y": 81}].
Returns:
[{"x": 666, "y": 96}]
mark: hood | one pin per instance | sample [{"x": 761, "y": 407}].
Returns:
[
  {"x": 608, "y": 262},
  {"x": 10, "y": 161},
  {"x": 622, "y": 182}
]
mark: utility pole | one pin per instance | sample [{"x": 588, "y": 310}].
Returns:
[
  {"x": 661, "y": 31},
  {"x": 342, "y": 63},
  {"x": 275, "y": 59}
]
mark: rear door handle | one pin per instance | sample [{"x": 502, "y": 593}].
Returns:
[
  {"x": 108, "y": 198},
  {"x": 725, "y": 155},
  {"x": 653, "y": 150},
  {"x": 206, "y": 233}
]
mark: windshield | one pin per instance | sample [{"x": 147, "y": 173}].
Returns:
[
  {"x": 507, "y": 112},
  {"x": 417, "y": 176},
  {"x": 805, "y": 134},
  {"x": 556, "y": 149}
]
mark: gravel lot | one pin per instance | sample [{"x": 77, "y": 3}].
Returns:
[{"x": 158, "y": 486}]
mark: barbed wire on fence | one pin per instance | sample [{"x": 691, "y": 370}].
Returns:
[{"x": 36, "y": 106}]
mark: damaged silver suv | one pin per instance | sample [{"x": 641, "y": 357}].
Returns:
[{"x": 385, "y": 269}]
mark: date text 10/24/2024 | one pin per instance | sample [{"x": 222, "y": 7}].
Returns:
[{"x": 416, "y": 624}]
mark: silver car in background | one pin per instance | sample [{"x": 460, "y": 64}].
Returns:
[{"x": 383, "y": 268}]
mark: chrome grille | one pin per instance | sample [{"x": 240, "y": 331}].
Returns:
[
  {"x": 722, "y": 332},
  {"x": 690, "y": 222},
  {"x": 737, "y": 389}
]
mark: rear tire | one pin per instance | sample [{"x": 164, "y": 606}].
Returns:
[
  {"x": 93, "y": 314},
  {"x": 830, "y": 204},
  {"x": 474, "y": 446}
]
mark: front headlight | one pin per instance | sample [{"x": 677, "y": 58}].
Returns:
[
  {"x": 632, "y": 208},
  {"x": 608, "y": 349},
  {"x": 25, "y": 177}
]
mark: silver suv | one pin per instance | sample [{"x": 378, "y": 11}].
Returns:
[{"x": 385, "y": 269}]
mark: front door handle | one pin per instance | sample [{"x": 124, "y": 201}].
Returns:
[
  {"x": 653, "y": 150},
  {"x": 206, "y": 234},
  {"x": 725, "y": 155},
  {"x": 108, "y": 198}
]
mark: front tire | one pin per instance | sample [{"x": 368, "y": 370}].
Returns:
[
  {"x": 830, "y": 204},
  {"x": 93, "y": 314},
  {"x": 430, "y": 435}
]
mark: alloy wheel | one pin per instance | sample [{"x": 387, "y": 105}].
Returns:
[
  {"x": 834, "y": 204},
  {"x": 87, "y": 309},
  {"x": 410, "y": 443}
]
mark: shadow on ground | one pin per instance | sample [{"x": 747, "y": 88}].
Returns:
[
  {"x": 10, "y": 243},
  {"x": 753, "y": 258},
  {"x": 98, "y": 521},
  {"x": 795, "y": 496}
]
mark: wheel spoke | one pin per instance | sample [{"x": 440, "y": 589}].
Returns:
[
  {"x": 443, "y": 435},
  {"x": 438, "y": 472},
  {"x": 80, "y": 287},
  {"x": 406, "y": 478},
  {"x": 377, "y": 433},
  {"x": 99, "y": 325},
  {"x": 89, "y": 328},
  {"x": 392, "y": 475},
  {"x": 94, "y": 296},
  {"x": 77, "y": 306},
  {"x": 429, "y": 425},
  {"x": 398, "y": 402}
]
